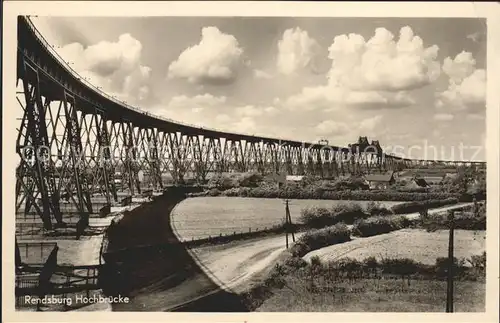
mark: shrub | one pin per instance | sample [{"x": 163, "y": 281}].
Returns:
[
  {"x": 375, "y": 208},
  {"x": 214, "y": 192},
  {"x": 478, "y": 262},
  {"x": 316, "y": 239},
  {"x": 442, "y": 265},
  {"x": 463, "y": 220},
  {"x": 320, "y": 217},
  {"x": 380, "y": 224},
  {"x": 399, "y": 266},
  {"x": 222, "y": 182},
  {"x": 417, "y": 206},
  {"x": 250, "y": 180}
]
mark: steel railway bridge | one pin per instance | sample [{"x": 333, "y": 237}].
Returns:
[{"x": 74, "y": 141}]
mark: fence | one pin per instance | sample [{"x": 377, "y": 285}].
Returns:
[
  {"x": 35, "y": 253},
  {"x": 224, "y": 238},
  {"x": 25, "y": 231},
  {"x": 65, "y": 208},
  {"x": 67, "y": 282}
]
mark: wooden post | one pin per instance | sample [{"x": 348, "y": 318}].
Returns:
[
  {"x": 449, "y": 290},
  {"x": 289, "y": 219},
  {"x": 288, "y": 223}
]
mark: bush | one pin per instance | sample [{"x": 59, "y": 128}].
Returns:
[
  {"x": 399, "y": 266},
  {"x": 250, "y": 180},
  {"x": 320, "y": 217},
  {"x": 316, "y": 239},
  {"x": 375, "y": 208},
  {"x": 403, "y": 267},
  {"x": 442, "y": 265},
  {"x": 464, "y": 220},
  {"x": 417, "y": 206},
  {"x": 214, "y": 192},
  {"x": 222, "y": 182},
  {"x": 380, "y": 224}
]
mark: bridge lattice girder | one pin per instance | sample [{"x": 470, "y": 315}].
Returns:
[{"x": 75, "y": 142}]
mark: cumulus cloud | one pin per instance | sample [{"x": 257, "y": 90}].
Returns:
[
  {"x": 443, "y": 117},
  {"x": 255, "y": 111},
  {"x": 189, "y": 109},
  {"x": 215, "y": 59},
  {"x": 381, "y": 63},
  {"x": 333, "y": 98},
  {"x": 115, "y": 67},
  {"x": 343, "y": 131},
  {"x": 467, "y": 85},
  {"x": 331, "y": 127},
  {"x": 262, "y": 74},
  {"x": 372, "y": 74},
  {"x": 296, "y": 50}
]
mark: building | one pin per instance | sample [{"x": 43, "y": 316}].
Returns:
[{"x": 380, "y": 181}]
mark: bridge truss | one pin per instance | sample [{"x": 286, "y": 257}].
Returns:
[{"x": 75, "y": 142}]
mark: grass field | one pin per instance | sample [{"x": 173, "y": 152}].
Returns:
[
  {"x": 419, "y": 245},
  {"x": 203, "y": 216},
  {"x": 370, "y": 295}
]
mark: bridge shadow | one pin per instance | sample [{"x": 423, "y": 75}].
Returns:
[{"x": 145, "y": 261}]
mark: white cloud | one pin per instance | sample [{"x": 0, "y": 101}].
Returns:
[
  {"x": 443, "y": 117},
  {"x": 332, "y": 128},
  {"x": 190, "y": 109},
  {"x": 222, "y": 118},
  {"x": 255, "y": 111},
  {"x": 214, "y": 59},
  {"x": 370, "y": 124},
  {"x": 373, "y": 74},
  {"x": 381, "y": 63},
  {"x": 334, "y": 98},
  {"x": 262, "y": 74},
  {"x": 115, "y": 67},
  {"x": 467, "y": 85},
  {"x": 345, "y": 130},
  {"x": 296, "y": 50},
  {"x": 245, "y": 125}
]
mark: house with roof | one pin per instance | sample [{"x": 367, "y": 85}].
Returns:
[{"x": 380, "y": 181}]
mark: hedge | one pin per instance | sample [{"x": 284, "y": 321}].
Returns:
[
  {"x": 316, "y": 239},
  {"x": 319, "y": 193},
  {"x": 417, "y": 206},
  {"x": 376, "y": 225},
  {"x": 347, "y": 212}
]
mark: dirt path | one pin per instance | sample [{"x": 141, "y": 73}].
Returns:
[{"x": 235, "y": 267}]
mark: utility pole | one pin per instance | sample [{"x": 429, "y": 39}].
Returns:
[
  {"x": 288, "y": 223},
  {"x": 451, "y": 263}
]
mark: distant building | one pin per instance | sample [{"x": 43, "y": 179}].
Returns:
[
  {"x": 380, "y": 181},
  {"x": 294, "y": 178}
]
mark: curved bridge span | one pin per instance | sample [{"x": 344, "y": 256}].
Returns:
[{"x": 75, "y": 142}]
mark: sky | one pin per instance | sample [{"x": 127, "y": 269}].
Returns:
[{"x": 417, "y": 85}]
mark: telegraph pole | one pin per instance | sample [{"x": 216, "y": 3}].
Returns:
[
  {"x": 449, "y": 290},
  {"x": 288, "y": 223}
]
